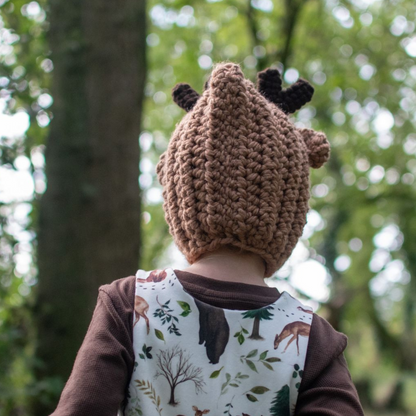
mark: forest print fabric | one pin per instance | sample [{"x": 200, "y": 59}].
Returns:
[{"x": 192, "y": 358}]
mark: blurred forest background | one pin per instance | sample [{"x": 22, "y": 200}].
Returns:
[{"x": 85, "y": 85}]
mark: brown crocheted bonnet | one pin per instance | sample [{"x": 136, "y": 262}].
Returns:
[{"x": 236, "y": 171}]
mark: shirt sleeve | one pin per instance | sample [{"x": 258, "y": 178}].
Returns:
[
  {"x": 327, "y": 388},
  {"x": 104, "y": 363}
]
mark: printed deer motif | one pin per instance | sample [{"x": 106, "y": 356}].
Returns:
[
  {"x": 295, "y": 330},
  {"x": 155, "y": 276},
  {"x": 304, "y": 310},
  {"x": 198, "y": 412},
  {"x": 140, "y": 309}
]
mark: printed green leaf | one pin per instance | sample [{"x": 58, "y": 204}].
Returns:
[
  {"x": 263, "y": 355},
  {"x": 251, "y": 398},
  {"x": 228, "y": 376},
  {"x": 267, "y": 365},
  {"x": 296, "y": 367},
  {"x": 251, "y": 365},
  {"x": 297, "y": 385},
  {"x": 295, "y": 374},
  {"x": 185, "y": 306},
  {"x": 252, "y": 354},
  {"x": 244, "y": 376},
  {"x": 245, "y": 331},
  {"x": 236, "y": 334},
  {"x": 216, "y": 373},
  {"x": 141, "y": 356},
  {"x": 224, "y": 385},
  {"x": 259, "y": 390},
  {"x": 234, "y": 385},
  {"x": 240, "y": 339},
  {"x": 273, "y": 359},
  {"x": 301, "y": 373},
  {"x": 185, "y": 313},
  {"x": 159, "y": 335}
]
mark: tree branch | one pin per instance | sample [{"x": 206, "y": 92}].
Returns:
[
  {"x": 250, "y": 13},
  {"x": 289, "y": 20}
]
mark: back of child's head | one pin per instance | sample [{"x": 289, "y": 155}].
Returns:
[{"x": 236, "y": 171}]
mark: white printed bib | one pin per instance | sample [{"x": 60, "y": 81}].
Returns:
[{"x": 192, "y": 358}]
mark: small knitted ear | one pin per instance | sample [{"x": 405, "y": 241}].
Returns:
[
  {"x": 185, "y": 96},
  {"x": 318, "y": 147}
]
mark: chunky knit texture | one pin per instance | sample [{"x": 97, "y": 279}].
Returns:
[{"x": 236, "y": 171}]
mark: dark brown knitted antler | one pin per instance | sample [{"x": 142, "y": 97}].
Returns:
[
  {"x": 269, "y": 84},
  {"x": 185, "y": 96}
]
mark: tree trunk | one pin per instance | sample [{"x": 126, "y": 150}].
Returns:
[
  {"x": 89, "y": 219},
  {"x": 255, "y": 334},
  {"x": 172, "y": 396}
]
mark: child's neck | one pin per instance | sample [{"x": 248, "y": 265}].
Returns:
[{"x": 232, "y": 266}]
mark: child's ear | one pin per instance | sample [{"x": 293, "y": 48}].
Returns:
[{"x": 318, "y": 147}]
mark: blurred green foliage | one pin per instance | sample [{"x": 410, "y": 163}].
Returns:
[{"x": 361, "y": 57}]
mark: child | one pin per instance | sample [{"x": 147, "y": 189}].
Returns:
[{"x": 214, "y": 338}]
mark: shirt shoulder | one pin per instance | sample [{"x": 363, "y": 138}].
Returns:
[
  {"x": 325, "y": 336},
  {"x": 326, "y": 384},
  {"x": 325, "y": 345},
  {"x": 121, "y": 295}
]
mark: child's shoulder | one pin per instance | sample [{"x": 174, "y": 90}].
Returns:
[
  {"x": 325, "y": 343},
  {"x": 120, "y": 292}
]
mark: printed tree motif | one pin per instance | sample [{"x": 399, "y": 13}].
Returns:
[
  {"x": 258, "y": 315},
  {"x": 176, "y": 368},
  {"x": 281, "y": 403}
]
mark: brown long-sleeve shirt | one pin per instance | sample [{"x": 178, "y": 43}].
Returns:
[{"x": 105, "y": 361}]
